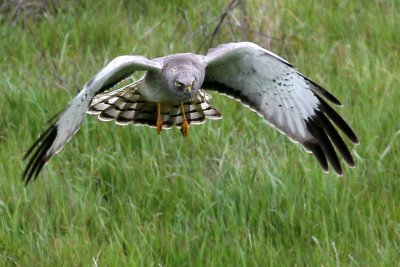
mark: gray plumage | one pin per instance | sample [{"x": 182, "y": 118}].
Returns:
[{"x": 261, "y": 80}]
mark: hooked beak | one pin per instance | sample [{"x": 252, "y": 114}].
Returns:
[{"x": 189, "y": 88}]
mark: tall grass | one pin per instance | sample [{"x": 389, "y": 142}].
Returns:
[{"x": 236, "y": 192}]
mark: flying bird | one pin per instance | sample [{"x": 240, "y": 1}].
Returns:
[{"x": 171, "y": 93}]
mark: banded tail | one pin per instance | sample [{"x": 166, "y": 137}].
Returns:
[{"x": 126, "y": 105}]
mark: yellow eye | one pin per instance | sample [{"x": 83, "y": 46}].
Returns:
[{"x": 178, "y": 84}]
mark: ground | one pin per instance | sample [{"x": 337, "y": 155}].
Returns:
[{"x": 235, "y": 192}]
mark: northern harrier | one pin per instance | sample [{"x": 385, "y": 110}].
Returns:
[{"x": 171, "y": 93}]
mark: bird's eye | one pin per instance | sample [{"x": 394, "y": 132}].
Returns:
[{"x": 178, "y": 84}]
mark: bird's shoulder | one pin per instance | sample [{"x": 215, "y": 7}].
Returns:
[{"x": 181, "y": 58}]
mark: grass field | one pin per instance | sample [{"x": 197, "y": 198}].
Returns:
[{"x": 236, "y": 192}]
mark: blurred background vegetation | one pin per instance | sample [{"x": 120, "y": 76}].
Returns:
[{"x": 236, "y": 192}]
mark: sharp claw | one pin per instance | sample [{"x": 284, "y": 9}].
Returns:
[
  {"x": 159, "y": 120},
  {"x": 185, "y": 128},
  {"x": 185, "y": 124},
  {"x": 159, "y": 127}
]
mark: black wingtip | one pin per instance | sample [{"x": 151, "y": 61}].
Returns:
[
  {"x": 319, "y": 154},
  {"x": 321, "y": 139},
  {"x": 39, "y": 157},
  {"x": 320, "y": 90},
  {"x": 326, "y": 135},
  {"x": 335, "y": 138},
  {"x": 337, "y": 120}
]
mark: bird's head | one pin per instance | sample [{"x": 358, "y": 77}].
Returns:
[{"x": 183, "y": 79}]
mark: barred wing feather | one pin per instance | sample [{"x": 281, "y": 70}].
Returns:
[{"x": 126, "y": 106}]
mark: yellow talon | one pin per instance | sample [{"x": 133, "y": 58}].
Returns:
[
  {"x": 159, "y": 119},
  {"x": 185, "y": 124}
]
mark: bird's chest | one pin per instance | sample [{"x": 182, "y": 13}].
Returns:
[
  {"x": 155, "y": 93},
  {"x": 153, "y": 90}
]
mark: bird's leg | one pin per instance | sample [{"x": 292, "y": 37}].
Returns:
[
  {"x": 185, "y": 124},
  {"x": 159, "y": 119}
]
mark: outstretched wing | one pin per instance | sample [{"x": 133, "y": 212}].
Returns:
[
  {"x": 68, "y": 122},
  {"x": 288, "y": 100}
]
